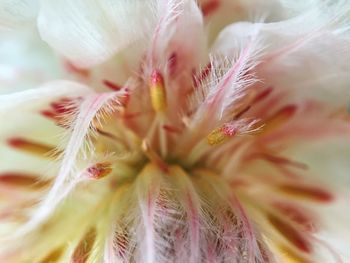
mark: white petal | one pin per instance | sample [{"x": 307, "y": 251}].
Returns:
[
  {"x": 18, "y": 13},
  {"x": 19, "y": 116},
  {"x": 188, "y": 40},
  {"x": 33, "y": 97},
  {"x": 25, "y": 61},
  {"x": 329, "y": 160},
  {"x": 220, "y": 13},
  {"x": 300, "y": 53},
  {"x": 89, "y": 32},
  {"x": 26, "y": 126}
]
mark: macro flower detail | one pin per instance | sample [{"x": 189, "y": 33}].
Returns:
[{"x": 178, "y": 133}]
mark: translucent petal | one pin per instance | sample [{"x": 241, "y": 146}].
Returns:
[
  {"x": 14, "y": 13},
  {"x": 25, "y": 60},
  {"x": 299, "y": 53},
  {"x": 89, "y": 32}
]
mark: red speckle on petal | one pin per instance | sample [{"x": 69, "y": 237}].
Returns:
[
  {"x": 49, "y": 114},
  {"x": 262, "y": 95},
  {"x": 296, "y": 214},
  {"x": 236, "y": 183},
  {"x": 282, "y": 161},
  {"x": 111, "y": 85},
  {"x": 17, "y": 142},
  {"x": 125, "y": 99},
  {"x": 286, "y": 111},
  {"x": 210, "y": 7},
  {"x": 172, "y": 64},
  {"x": 17, "y": 179},
  {"x": 308, "y": 192},
  {"x": 242, "y": 112},
  {"x": 172, "y": 129},
  {"x": 30, "y": 146},
  {"x": 70, "y": 67},
  {"x": 279, "y": 118},
  {"x": 83, "y": 249},
  {"x": 131, "y": 115},
  {"x": 293, "y": 235},
  {"x": 59, "y": 109}
]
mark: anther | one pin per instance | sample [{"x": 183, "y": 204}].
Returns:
[
  {"x": 220, "y": 134},
  {"x": 99, "y": 170},
  {"x": 157, "y": 91}
]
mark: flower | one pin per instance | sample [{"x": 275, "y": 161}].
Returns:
[{"x": 195, "y": 152}]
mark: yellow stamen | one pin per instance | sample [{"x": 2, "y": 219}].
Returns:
[
  {"x": 216, "y": 137},
  {"x": 219, "y": 135},
  {"x": 157, "y": 92}
]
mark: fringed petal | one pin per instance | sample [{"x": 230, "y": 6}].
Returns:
[
  {"x": 68, "y": 176},
  {"x": 147, "y": 189}
]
